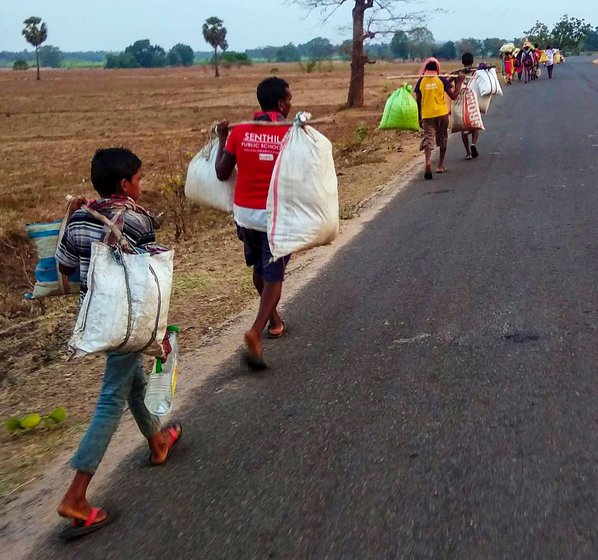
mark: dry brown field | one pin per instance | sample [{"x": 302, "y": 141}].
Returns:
[{"x": 49, "y": 131}]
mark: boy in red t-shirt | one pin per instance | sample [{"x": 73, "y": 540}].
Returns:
[{"x": 253, "y": 148}]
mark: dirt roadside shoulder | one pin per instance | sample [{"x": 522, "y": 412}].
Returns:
[{"x": 32, "y": 517}]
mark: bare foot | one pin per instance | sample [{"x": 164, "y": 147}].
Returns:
[
  {"x": 254, "y": 358},
  {"x": 253, "y": 343}
]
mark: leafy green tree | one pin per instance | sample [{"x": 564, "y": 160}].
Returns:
[
  {"x": 36, "y": 33},
  {"x": 317, "y": 49},
  {"x": 181, "y": 55},
  {"x": 569, "y": 32},
  {"x": 474, "y": 46},
  {"x": 214, "y": 33},
  {"x": 50, "y": 56},
  {"x": 121, "y": 60},
  {"x": 591, "y": 41},
  {"x": 447, "y": 51},
  {"x": 146, "y": 54},
  {"x": 20, "y": 65},
  {"x": 422, "y": 42},
  {"x": 399, "y": 45},
  {"x": 491, "y": 46},
  {"x": 288, "y": 53},
  {"x": 538, "y": 34},
  {"x": 231, "y": 58}
]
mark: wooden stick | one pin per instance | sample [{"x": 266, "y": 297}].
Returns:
[
  {"x": 413, "y": 76},
  {"x": 322, "y": 120}
]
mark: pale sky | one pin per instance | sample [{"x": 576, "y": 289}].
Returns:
[{"x": 75, "y": 25}]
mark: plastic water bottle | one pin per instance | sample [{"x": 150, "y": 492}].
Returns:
[{"x": 163, "y": 377}]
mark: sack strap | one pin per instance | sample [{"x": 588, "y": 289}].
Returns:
[
  {"x": 121, "y": 240},
  {"x": 63, "y": 279}
]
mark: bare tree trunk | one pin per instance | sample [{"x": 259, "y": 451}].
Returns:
[
  {"x": 358, "y": 60},
  {"x": 37, "y": 60},
  {"x": 216, "y": 72}
]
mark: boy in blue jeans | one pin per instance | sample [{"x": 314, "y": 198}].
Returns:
[{"x": 116, "y": 176}]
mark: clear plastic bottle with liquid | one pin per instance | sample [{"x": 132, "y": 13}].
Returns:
[{"x": 162, "y": 380}]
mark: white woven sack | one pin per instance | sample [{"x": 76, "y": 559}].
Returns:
[
  {"x": 126, "y": 305},
  {"x": 202, "y": 185},
  {"x": 483, "y": 100},
  {"x": 487, "y": 82},
  {"x": 483, "y": 83},
  {"x": 465, "y": 112},
  {"x": 302, "y": 207},
  {"x": 495, "y": 81}
]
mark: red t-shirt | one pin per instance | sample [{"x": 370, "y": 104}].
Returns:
[{"x": 255, "y": 148}]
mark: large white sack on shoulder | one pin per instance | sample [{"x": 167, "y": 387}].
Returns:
[
  {"x": 202, "y": 185},
  {"x": 483, "y": 100},
  {"x": 302, "y": 206},
  {"x": 484, "y": 82},
  {"x": 103, "y": 320},
  {"x": 496, "y": 81}
]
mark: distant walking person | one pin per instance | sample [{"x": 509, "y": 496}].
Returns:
[
  {"x": 470, "y": 151},
  {"x": 433, "y": 111},
  {"x": 549, "y": 52}
]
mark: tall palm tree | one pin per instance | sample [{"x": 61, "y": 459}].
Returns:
[
  {"x": 214, "y": 33},
  {"x": 35, "y": 34}
]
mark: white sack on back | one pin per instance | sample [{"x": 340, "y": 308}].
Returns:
[
  {"x": 202, "y": 185},
  {"x": 483, "y": 83},
  {"x": 483, "y": 100},
  {"x": 303, "y": 197},
  {"x": 495, "y": 81},
  {"x": 126, "y": 306}
]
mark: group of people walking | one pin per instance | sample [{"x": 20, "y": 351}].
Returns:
[{"x": 525, "y": 62}]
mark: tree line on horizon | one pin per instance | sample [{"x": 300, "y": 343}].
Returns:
[
  {"x": 370, "y": 19},
  {"x": 404, "y": 45}
]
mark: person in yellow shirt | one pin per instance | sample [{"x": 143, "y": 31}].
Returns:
[{"x": 433, "y": 111}]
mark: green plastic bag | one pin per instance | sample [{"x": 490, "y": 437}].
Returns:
[{"x": 400, "y": 110}]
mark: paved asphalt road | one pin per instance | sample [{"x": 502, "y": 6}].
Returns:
[{"x": 437, "y": 396}]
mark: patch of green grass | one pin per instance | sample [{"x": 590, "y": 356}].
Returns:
[{"x": 185, "y": 282}]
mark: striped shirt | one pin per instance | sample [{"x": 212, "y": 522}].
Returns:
[{"x": 74, "y": 249}]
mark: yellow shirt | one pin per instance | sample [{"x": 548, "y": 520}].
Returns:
[{"x": 432, "y": 97}]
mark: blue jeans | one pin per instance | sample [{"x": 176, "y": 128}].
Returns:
[{"x": 124, "y": 381}]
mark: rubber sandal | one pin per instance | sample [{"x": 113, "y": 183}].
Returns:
[
  {"x": 270, "y": 334},
  {"x": 474, "y": 151},
  {"x": 443, "y": 170},
  {"x": 79, "y": 528},
  {"x": 467, "y": 157},
  {"x": 255, "y": 363},
  {"x": 428, "y": 175},
  {"x": 174, "y": 439}
]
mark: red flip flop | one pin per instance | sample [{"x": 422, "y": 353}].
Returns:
[
  {"x": 79, "y": 528},
  {"x": 174, "y": 438}
]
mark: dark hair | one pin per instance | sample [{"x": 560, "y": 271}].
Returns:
[
  {"x": 548, "y": 47},
  {"x": 270, "y": 91},
  {"x": 110, "y": 166},
  {"x": 467, "y": 59},
  {"x": 432, "y": 66}
]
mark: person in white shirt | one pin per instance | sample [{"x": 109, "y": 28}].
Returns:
[{"x": 549, "y": 52}]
